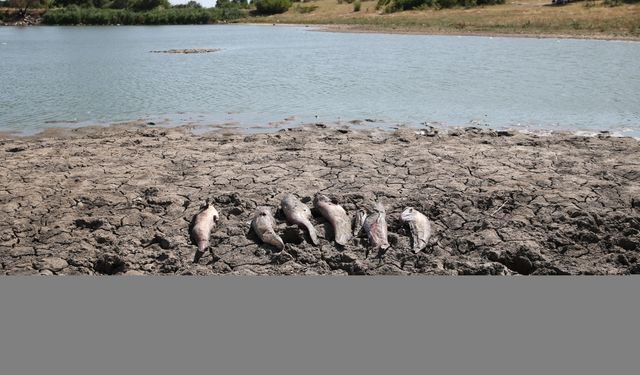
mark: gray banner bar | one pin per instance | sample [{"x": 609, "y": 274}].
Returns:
[{"x": 392, "y": 325}]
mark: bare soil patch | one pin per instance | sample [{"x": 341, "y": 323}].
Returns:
[{"x": 119, "y": 200}]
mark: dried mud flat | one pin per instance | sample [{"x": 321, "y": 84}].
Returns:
[{"x": 119, "y": 200}]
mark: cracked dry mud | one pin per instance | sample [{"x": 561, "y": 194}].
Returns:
[{"x": 119, "y": 200}]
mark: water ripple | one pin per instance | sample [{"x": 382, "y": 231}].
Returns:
[{"x": 261, "y": 74}]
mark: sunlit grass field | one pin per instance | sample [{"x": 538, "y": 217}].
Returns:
[{"x": 525, "y": 17}]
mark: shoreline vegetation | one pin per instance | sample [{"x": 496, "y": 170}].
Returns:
[
  {"x": 119, "y": 200},
  {"x": 598, "y": 19}
]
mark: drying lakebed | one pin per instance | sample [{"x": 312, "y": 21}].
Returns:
[{"x": 118, "y": 200}]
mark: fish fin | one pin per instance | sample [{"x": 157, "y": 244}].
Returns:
[
  {"x": 343, "y": 232},
  {"x": 312, "y": 232},
  {"x": 202, "y": 246},
  {"x": 273, "y": 239}
]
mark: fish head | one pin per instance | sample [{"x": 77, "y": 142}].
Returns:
[
  {"x": 205, "y": 205},
  {"x": 379, "y": 208},
  {"x": 263, "y": 211},
  {"x": 320, "y": 198},
  {"x": 408, "y": 214},
  {"x": 214, "y": 213},
  {"x": 289, "y": 200}
]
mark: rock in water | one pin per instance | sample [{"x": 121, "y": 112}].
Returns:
[{"x": 420, "y": 227}]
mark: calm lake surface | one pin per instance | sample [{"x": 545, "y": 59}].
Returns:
[{"x": 74, "y": 76}]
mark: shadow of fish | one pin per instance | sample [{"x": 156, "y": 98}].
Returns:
[{"x": 299, "y": 214}]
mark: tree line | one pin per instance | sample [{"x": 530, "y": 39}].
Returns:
[
  {"x": 143, "y": 12},
  {"x": 133, "y": 5}
]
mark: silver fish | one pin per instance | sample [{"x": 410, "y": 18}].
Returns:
[
  {"x": 203, "y": 223},
  {"x": 263, "y": 224},
  {"x": 420, "y": 227},
  {"x": 298, "y": 213},
  {"x": 358, "y": 222},
  {"x": 337, "y": 217},
  {"x": 376, "y": 227}
]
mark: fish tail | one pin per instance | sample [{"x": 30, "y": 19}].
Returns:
[
  {"x": 273, "y": 239},
  {"x": 343, "y": 233},
  {"x": 312, "y": 232},
  {"x": 343, "y": 238},
  {"x": 202, "y": 245},
  {"x": 358, "y": 222}
]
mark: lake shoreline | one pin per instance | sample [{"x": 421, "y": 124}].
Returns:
[
  {"x": 118, "y": 200},
  {"x": 534, "y": 19},
  {"x": 366, "y": 30}
]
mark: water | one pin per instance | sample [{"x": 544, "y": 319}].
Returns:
[{"x": 73, "y": 76}]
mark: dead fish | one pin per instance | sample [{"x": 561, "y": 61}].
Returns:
[
  {"x": 337, "y": 217},
  {"x": 376, "y": 227},
  {"x": 298, "y": 213},
  {"x": 358, "y": 222},
  {"x": 262, "y": 224},
  {"x": 202, "y": 225},
  {"x": 420, "y": 227}
]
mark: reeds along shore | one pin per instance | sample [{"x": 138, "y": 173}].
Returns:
[{"x": 118, "y": 201}]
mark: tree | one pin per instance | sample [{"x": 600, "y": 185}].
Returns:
[
  {"x": 144, "y": 5},
  {"x": 80, "y": 3},
  {"x": 23, "y": 5},
  {"x": 231, "y": 4},
  {"x": 190, "y": 5},
  {"x": 267, "y": 7},
  {"x": 120, "y": 4}
]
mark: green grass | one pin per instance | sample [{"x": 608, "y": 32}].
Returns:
[
  {"x": 515, "y": 17},
  {"x": 593, "y": 18}
]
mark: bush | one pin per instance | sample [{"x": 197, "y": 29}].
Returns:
[
  {"x": 142, "y": 5},
  {"x": 398, "y": 5},
  {"x": 232, "y": 4},
  {"x": 190, "y": 4},
  {"x": 304, "y": 8},
  {"x": 267, "y": 7},
  {"x": 613, "y": 3},
  {"x": 356, "y": 6},
  {"x": 74, "y": 15}
]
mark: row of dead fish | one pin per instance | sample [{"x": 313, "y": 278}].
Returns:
[{"x": 297, "y": 213}]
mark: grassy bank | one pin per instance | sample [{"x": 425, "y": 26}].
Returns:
[
  {"x": 524, "y": 17},
  {"x": 587, "y": 19}
]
